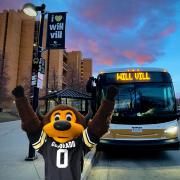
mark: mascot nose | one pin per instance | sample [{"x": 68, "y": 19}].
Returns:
[{"x": 62, "y": 125}]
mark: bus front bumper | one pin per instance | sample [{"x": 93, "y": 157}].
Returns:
[{"x": 111, "y": 144}]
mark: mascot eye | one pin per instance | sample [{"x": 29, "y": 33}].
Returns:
[
  {"x": 68, "y": 117},
  {"x": 57, "y": 117}
]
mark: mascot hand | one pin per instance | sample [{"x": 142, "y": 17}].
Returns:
[
  {"x": 100, "y": 122},
  {"x": 18, "y": 91},
  {"x": 111, "y": 93}
]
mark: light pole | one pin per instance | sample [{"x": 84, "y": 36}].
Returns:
[
  {"x": 32, "y": 10},
  {"x": 47, "y": 80}
]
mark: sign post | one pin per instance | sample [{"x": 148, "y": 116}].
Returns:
[
  {"x": 34, "y": 80},
  {"x": 55, "y": 40}
]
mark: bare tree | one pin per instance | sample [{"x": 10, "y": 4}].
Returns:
[
  {"x": 3, "y": 83},
  {"x": 54, "y": 83},
  {"x": 73, "y": 79},
  {"x": 26, "y": 83}
]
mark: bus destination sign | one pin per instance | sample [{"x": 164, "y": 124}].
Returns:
[{"x": 133, "y": 76}]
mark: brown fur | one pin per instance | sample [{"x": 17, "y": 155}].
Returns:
[
  {"x": 32, "y": 123},
  {"x": 79, "y": 116}
]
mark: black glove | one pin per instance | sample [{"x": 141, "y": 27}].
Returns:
[
  {"x": 18, "y": 91},
  {"x": 111, "y": 93}
]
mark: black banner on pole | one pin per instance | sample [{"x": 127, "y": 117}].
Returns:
[
  {"x": 56, "y": 30},
  {"x": 38, "y": 71},
  {"x": 35, "y": 66}
]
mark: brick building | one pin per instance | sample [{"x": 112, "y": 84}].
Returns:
[
  {"x": 80, "y": 70},
  {"x": 86, "y": 71},
  {"x": 18, "y": 37}
]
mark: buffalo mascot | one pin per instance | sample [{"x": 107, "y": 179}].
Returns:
[{"x": 63, "y": 136}]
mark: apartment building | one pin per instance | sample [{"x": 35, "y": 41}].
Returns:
[
  {"x": 16, "y": 45},
  {"x": 80, "y": 70},
  {"x": 86, "y": 71}
]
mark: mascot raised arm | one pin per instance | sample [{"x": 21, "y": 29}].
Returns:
[{"x": 63, "y": 135}]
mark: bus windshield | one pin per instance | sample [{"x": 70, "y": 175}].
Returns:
[{"x": 143, "y": 103}]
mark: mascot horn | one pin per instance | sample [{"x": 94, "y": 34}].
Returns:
[{"x": 63, "y": 135}]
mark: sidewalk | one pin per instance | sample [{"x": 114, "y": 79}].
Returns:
[{"x": 13, "y": 150}]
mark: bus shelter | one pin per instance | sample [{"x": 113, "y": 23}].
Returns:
[{"x": 69, "y": 97}]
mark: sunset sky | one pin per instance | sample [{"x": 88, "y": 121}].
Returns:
[{"x": 120, "y": 33}]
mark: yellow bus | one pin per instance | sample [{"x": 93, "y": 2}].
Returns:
[{"x": 145, "y": 114}]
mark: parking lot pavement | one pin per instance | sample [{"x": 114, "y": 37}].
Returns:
[{"x": 14, "y": 148}]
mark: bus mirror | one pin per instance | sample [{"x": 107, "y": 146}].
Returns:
[
  {"x": 178, "y": 114},
  {"x": 90, "y": 85}
]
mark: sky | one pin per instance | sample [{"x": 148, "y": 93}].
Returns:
[{"x": 120, "y": 33}]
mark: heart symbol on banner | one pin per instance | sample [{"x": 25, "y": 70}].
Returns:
[{"x": 58, "y": 18}]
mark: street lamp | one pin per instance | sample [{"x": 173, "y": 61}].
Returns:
[{"x": 32, "y": 10}]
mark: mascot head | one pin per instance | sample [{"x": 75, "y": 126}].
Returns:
[{"x": 63, "y": 123}]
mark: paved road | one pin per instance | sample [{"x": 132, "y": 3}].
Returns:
[{"x": 136, "y": 166}]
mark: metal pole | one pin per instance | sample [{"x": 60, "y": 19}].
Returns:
[
  {"x": 32, "y": 155},
  {"x": 36, "y": 89},
  {"x": 47, "y": 80}
]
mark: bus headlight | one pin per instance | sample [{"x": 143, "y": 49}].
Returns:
[{"x": 173, "y": 130}]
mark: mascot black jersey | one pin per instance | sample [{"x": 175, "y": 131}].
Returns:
[{"x": 62, "y": 160}]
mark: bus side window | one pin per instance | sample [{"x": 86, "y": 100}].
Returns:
[{"x": 169, "y": 103}]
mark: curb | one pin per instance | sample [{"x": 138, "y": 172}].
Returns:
[{"x": 88, "y": 163}]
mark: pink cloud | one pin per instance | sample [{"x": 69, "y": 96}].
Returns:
[
  {"x": 139, "y": 58},
  {"x": 129, "y": 54},
  {"x": 89, "y": 14},
  {"x": 108, "y": 62},
  {"x": 168, "y": 30},
  {"x": 102, "y": 60},
  {"x": 93, "y": 46}
]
